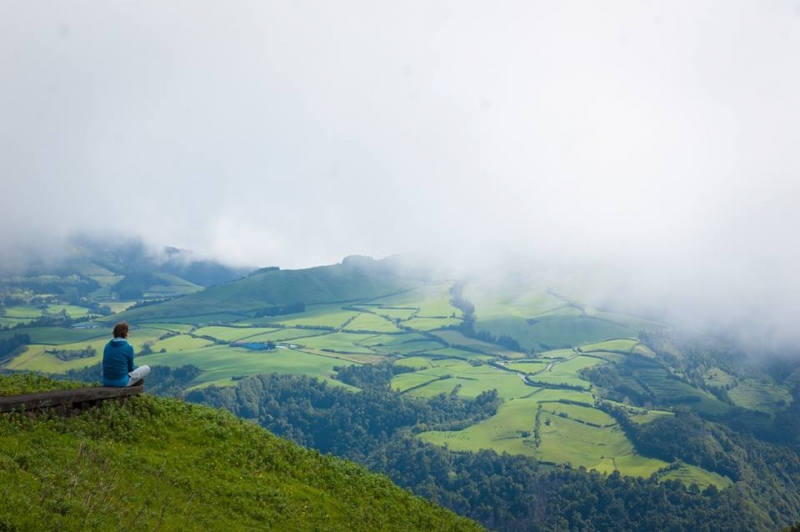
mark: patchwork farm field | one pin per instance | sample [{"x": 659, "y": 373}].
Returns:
[{"x": 549, "y": 409}]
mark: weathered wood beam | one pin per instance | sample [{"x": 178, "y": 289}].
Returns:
[{"x": 66, "y": 398}]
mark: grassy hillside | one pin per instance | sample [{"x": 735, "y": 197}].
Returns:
[
  {"x": 349, "y": 281},
  {"x": 157, "y": 464}
]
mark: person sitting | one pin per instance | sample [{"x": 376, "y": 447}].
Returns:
[{"x": 118, "y": 368}]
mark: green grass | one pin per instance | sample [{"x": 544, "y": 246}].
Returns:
[
  {"x": 719, "y": 378},
  {"x": 168, "y": 327},
  {"x": 73, "y": 311},
  {"x": 58, "y": 335},
  {"x": 473, "y": 381},
  {"x": 563, "y": 440},
  {"x": 690, "y": 474},
  {"x": 552, "y": 331},
  {"x": 230, "y": 334},
  {"x": 431, "y": 300},
  {"x": 581, "y": 413},
  {"x": 395, "y": 313},
  {"x": 36, "y": 358},
  {"x": 180, "y": 343},
  {"x": 528, "y": 366},
  {"x": 342, "y": 342},
  {"x": 406, "y": 381},
  {"x": 430, "y": 324},
  {"x": 30, "y": 313},
  {"x": 566, "y": 372},
  {"x": 455, "y": 338},
  {"x": 159, "y": 464},
  {"x": 618, "y": 344},
  {"x": 567, "y": 440},
  {"x": 763, "y": 396},
  {"x": 338, "y": 283},
  {"x": 323, "y": 316},
  {"x": 502, "y": 432},
  {"x": 416, "y": 362},
  {"x": 223, "y": 362},
  {"x": 371, "y": 322},
  {"x": 286, "y": 335}
]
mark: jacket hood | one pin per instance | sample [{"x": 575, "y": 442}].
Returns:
[{"x": 116, "y": 342}]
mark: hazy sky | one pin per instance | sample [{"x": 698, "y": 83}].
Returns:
[{"x": 664, "y": 136}]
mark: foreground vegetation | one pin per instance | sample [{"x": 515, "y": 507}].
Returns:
[{"x": 161, "y": 464}]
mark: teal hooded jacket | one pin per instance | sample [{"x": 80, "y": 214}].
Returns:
[{"x": 117, "y": 362}]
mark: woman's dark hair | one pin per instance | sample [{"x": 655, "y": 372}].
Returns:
[{"x": 121, "y": 330}]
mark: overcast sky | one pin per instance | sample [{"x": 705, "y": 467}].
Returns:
[{"x": 661, "y": 135}]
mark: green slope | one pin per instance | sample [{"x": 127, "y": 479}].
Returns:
[
  {"x": 352, "y": 280},
  {"x": 157, "y": 464}
]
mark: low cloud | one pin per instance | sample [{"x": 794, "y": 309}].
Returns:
[{"x": 651, "y": 140}]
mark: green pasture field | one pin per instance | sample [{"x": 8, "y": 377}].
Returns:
[
  {"x": 474, "y": 380},
  {"x": 57, "y": 335},
  {"x": 566, "y": 440},
  {"x": 616, "y": 358},
  {"x": 524, "y": 303},
  {"x": 528, "y": 366},
  {"x": 718, "y": 377},
  {"x": 182, "y": 342},
  {"x": 370, "y": 322},
  {"x": 430, "y": 324},
  {"x": 552, "y": 331},
  {"x": 28, "y": 313},
  {"x": 432, "y": 300},
  {"x": 690, "y": 474},
  {"x": 285, "y": 335},
  {"x": 396, "y": 313},
  {"x": 340, "y": 341},
  {"x": 459, "y": 353},
  {"x": 11, "y": 322},
  {"x": 567, "y": 372},
  {"x": 626, "y": 320},
  {"x": 455, "y": 338},
  {"x": 196, "y": 320},
  {"x": 580, "y": 413},
  {"x": 107, "y": 278},
  {"x": 73, "y": 311},
  {"x": 557, "y": 353},
  {"x": 35, "y": 357},
  {"x": 177, "y": 286},
  {"x": 414, "y": 347},
  {"x": 405, "y": 381},
  {"x": 761, "y": 396},
  {"x": 567, "y": 311},
  {"x": 550, "y": 395},
  {"x": 626, "y": 345},
  {"x": 503, "y": 432},
  {"x": 646, "y": 416},
  {"x": 119, "y": 306},
  {"x": 321, "y": 316},
  {"x": 181, "y": 328},
  {"x": 670, "y": 390},
  {"x": 223, "y": 362},
  {"x": 416, "y": 362},
  {"x": 388, "y": 341},
  {"x": 230, "y": 334}
]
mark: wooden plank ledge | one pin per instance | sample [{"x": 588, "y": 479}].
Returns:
[{"x": 76, "y": 398}]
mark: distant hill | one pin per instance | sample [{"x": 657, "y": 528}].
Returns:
[
  {"x": 160, "y": 464},
  {"x": 100, "y": 270},
  {"x": 355, "y": 278}
]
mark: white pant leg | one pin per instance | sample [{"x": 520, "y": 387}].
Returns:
[{"x": 138, "y": 374}]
